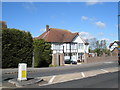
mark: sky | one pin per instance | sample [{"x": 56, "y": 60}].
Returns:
[{"x": 90, "y": 19}]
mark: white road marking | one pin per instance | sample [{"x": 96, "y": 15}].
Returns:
[
  {"x": 60, "y": 82},
  {"x": 83, "y": 75},
  {"x": 104, "y": 70},
  {"x": 51, "y": 80}
]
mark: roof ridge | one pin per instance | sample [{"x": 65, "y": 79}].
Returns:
[
  {"x": 58, "y": 35},
  {"x": 61, "y": 29}
]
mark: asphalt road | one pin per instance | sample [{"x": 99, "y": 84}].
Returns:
[
  {"x": 61, "y": 70},
  {"x": 109, "y": 80}
]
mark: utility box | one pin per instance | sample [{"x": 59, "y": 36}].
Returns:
[{"x": 22, "y": 71}]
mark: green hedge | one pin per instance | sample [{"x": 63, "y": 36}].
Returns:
[
  {"x": 16, "y": 48},
  {"x": 42, "y": 53}
]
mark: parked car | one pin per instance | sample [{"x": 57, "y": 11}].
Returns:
[
  {"x": 74, "y": 62},
  {"x": 68, "y": 61}
]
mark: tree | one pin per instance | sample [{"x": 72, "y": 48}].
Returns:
[
  {"x": 16, "y": 48},
  {"x": 42, "y": 53},
  {"x": 92, "y": 43},
  {"x": 98, "y": 51},
  {"x": 101, "y": 48}
]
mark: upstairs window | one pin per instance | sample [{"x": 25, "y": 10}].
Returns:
[
  {"x": 57, "y": 47},
  {"x": 80, "y": 46},
  {"x": 73, "y": 46}
]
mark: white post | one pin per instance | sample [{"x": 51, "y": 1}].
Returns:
[{"x": 22, "y": 71}]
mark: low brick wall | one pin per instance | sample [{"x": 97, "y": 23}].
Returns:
[{"x": 100, "y": 59}]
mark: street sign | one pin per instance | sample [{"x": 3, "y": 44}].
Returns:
[{"x": 118, "y": 46}]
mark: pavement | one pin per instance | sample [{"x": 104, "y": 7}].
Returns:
[
  {"x": 75, "y": 76},
  {"x": 101, "y": 81},
  {"x": 22, "y": 83}
]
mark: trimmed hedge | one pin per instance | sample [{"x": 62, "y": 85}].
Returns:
[
  {"x": 16, "y": 48},
  {"x": 42, "y": 53}
]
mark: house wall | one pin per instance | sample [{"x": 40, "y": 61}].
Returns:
[
  {"x": 79, "y": 40},
  {"x": 57, "y": 48},
  {"x": 87, "y": 48},
  {"x": 77, "y": 47},
  {"x": 113, "y": 46}
]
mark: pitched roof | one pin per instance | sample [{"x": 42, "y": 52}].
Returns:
[
  {"x": 57, "y": 35},
  {"x": 111, "y": 44}
]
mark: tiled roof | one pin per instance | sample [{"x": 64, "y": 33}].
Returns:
[{"x": 57, "y": 35}]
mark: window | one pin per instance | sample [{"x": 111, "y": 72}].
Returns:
[
  {"x": 57, "y": 46},
  {"x": 68, "y": 46},
  {"x": 73, "y": 46},
  {"x": 80, "y": 46},
  {"x": 67, "y": 54}
]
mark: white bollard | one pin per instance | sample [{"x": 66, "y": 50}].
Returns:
[{"x": 22, "y": 71}]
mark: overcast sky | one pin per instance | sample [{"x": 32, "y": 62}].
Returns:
[{"x": 92, "y": 19}]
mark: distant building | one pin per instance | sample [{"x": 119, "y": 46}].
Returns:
[
  {"x": 113, "y": 45},
  {"x": 3, "y": 24},
  {"x": 114, "y": 48},
  {"x": 65, "y": 45}
]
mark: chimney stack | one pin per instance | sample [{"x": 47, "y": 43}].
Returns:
[{"x": 47, "y": 27}]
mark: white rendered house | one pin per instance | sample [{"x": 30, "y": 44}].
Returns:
[
  {"x": 71, "y": 45},
  {"x": 113, "y": 45}
]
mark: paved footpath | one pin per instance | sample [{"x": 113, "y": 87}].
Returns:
[{"x": 74, "y": 76}]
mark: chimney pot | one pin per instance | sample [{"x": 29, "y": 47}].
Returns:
[{"x": 47, "y": 27}]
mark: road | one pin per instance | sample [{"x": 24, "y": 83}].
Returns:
[
  {"x": 109, "y": 80},
  {"x": 40, "y": 72}
]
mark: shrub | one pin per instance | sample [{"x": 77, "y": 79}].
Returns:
[
  {"x": 52, "y": 65},
  {"x": 42, "y": 53},
  {"x": 16, "y": 48}
]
